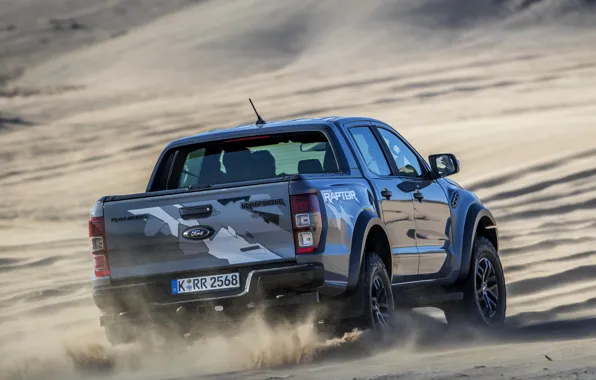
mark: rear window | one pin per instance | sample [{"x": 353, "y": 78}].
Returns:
[{"x": 251, "y": 158}]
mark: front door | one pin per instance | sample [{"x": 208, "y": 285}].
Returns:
[
  {"x": 432, "y": 218},
  {"x": 432, "y": 215},
  {"x": 396, "y": 205}
]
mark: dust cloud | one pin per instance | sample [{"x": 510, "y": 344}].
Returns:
[{"x": 257, "y": 344}]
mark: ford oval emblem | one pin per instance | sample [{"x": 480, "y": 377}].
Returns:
[{"x": 198, "y": 233}]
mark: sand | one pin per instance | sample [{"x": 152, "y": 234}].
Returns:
[{"x": 509, "y": 89}]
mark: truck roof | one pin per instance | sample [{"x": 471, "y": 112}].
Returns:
[{"x": 248, "y": 129}]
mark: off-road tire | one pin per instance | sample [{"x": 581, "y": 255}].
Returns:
[
  {"x": 373, "y": 269},
  {"x": 377, "y": 297},
  {"x": 483, "y": 287}
]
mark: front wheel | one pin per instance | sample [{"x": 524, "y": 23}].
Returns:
[{"x": 485, "y": 295}]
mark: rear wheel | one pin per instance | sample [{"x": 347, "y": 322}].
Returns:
[
  {"x": 377, "y": 298},
  {"x": 380, "y": 297},
  {"x": 373, "y": 299},
  {"x": 485, "y": 295}
]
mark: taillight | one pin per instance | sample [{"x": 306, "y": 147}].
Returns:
[
  {"x": 306, "y": 222},
  {"x": 97, "y": 244}
]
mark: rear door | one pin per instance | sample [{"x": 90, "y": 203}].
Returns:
[{"x": 396, "y": 202}]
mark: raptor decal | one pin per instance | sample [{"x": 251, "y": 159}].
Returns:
[
  {"x": 344, "y": 205},
  {"x": 333, "y": 196}
]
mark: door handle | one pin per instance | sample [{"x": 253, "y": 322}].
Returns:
[
  {"x": 418, "y": 195},
  {"x": 196, "y": 212},
  {"x": 386, "y": 194}
]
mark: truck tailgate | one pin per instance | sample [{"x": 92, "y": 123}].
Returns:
[{"x": 199, "y": 230}]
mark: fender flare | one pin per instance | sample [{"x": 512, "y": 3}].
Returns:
[
  {"x": 475, "y": 213},
  {"x": 365, "y": 221}
]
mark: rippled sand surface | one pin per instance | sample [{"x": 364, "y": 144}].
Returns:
[{"x": 86, "y": 107}]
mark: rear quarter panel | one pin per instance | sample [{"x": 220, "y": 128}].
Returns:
[{"x": 342, "y": 200}]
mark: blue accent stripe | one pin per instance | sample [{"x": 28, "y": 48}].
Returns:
[{"x": 174, "y": 287}]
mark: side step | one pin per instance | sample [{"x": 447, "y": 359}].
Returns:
[{"x": 426, "y": 299}]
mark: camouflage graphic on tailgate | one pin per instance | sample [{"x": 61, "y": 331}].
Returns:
[
  {"x": 200, "y": 230},
  {"x": 238, "y": 230}
]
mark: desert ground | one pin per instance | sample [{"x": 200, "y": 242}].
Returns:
[{"x": 90, "y": 92}]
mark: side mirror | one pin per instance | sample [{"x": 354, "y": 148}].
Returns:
[{"x": 444, "y": 164}]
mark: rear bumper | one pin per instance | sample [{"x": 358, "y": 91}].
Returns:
[{"x": 265, "y": 286}]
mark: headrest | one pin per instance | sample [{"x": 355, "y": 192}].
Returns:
[
  {"x": 236, "y": 157},
  {"x": 310, "y": 166}
]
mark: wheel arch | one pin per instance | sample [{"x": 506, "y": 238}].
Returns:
[
  {"x": 369, "y": 231},
  {"x": 479, "y": 222}
]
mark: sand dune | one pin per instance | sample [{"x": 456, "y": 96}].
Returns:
[{"x": 508, "y": 86}]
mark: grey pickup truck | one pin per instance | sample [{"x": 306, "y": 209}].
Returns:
[{"x": 338, "y": 214}]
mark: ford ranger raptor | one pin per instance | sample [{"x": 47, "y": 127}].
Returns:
[{"x": 340, "y": 214}]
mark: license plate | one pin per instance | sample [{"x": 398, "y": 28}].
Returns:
[{"x": 206, "y": 283}]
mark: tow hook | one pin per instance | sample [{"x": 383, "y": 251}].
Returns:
[{"x": 181, "y": 310}]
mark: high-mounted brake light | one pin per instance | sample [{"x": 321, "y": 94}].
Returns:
[
  {"x": 98, "y": 247},
  {"x": 306, "y": 222}
]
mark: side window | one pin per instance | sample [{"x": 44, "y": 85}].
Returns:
[
  {"x": 371, "y": 151},
  {"x": 406, "y": 161}
]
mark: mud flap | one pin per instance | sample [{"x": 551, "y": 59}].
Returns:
[{"x": 349, "y": 307}]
